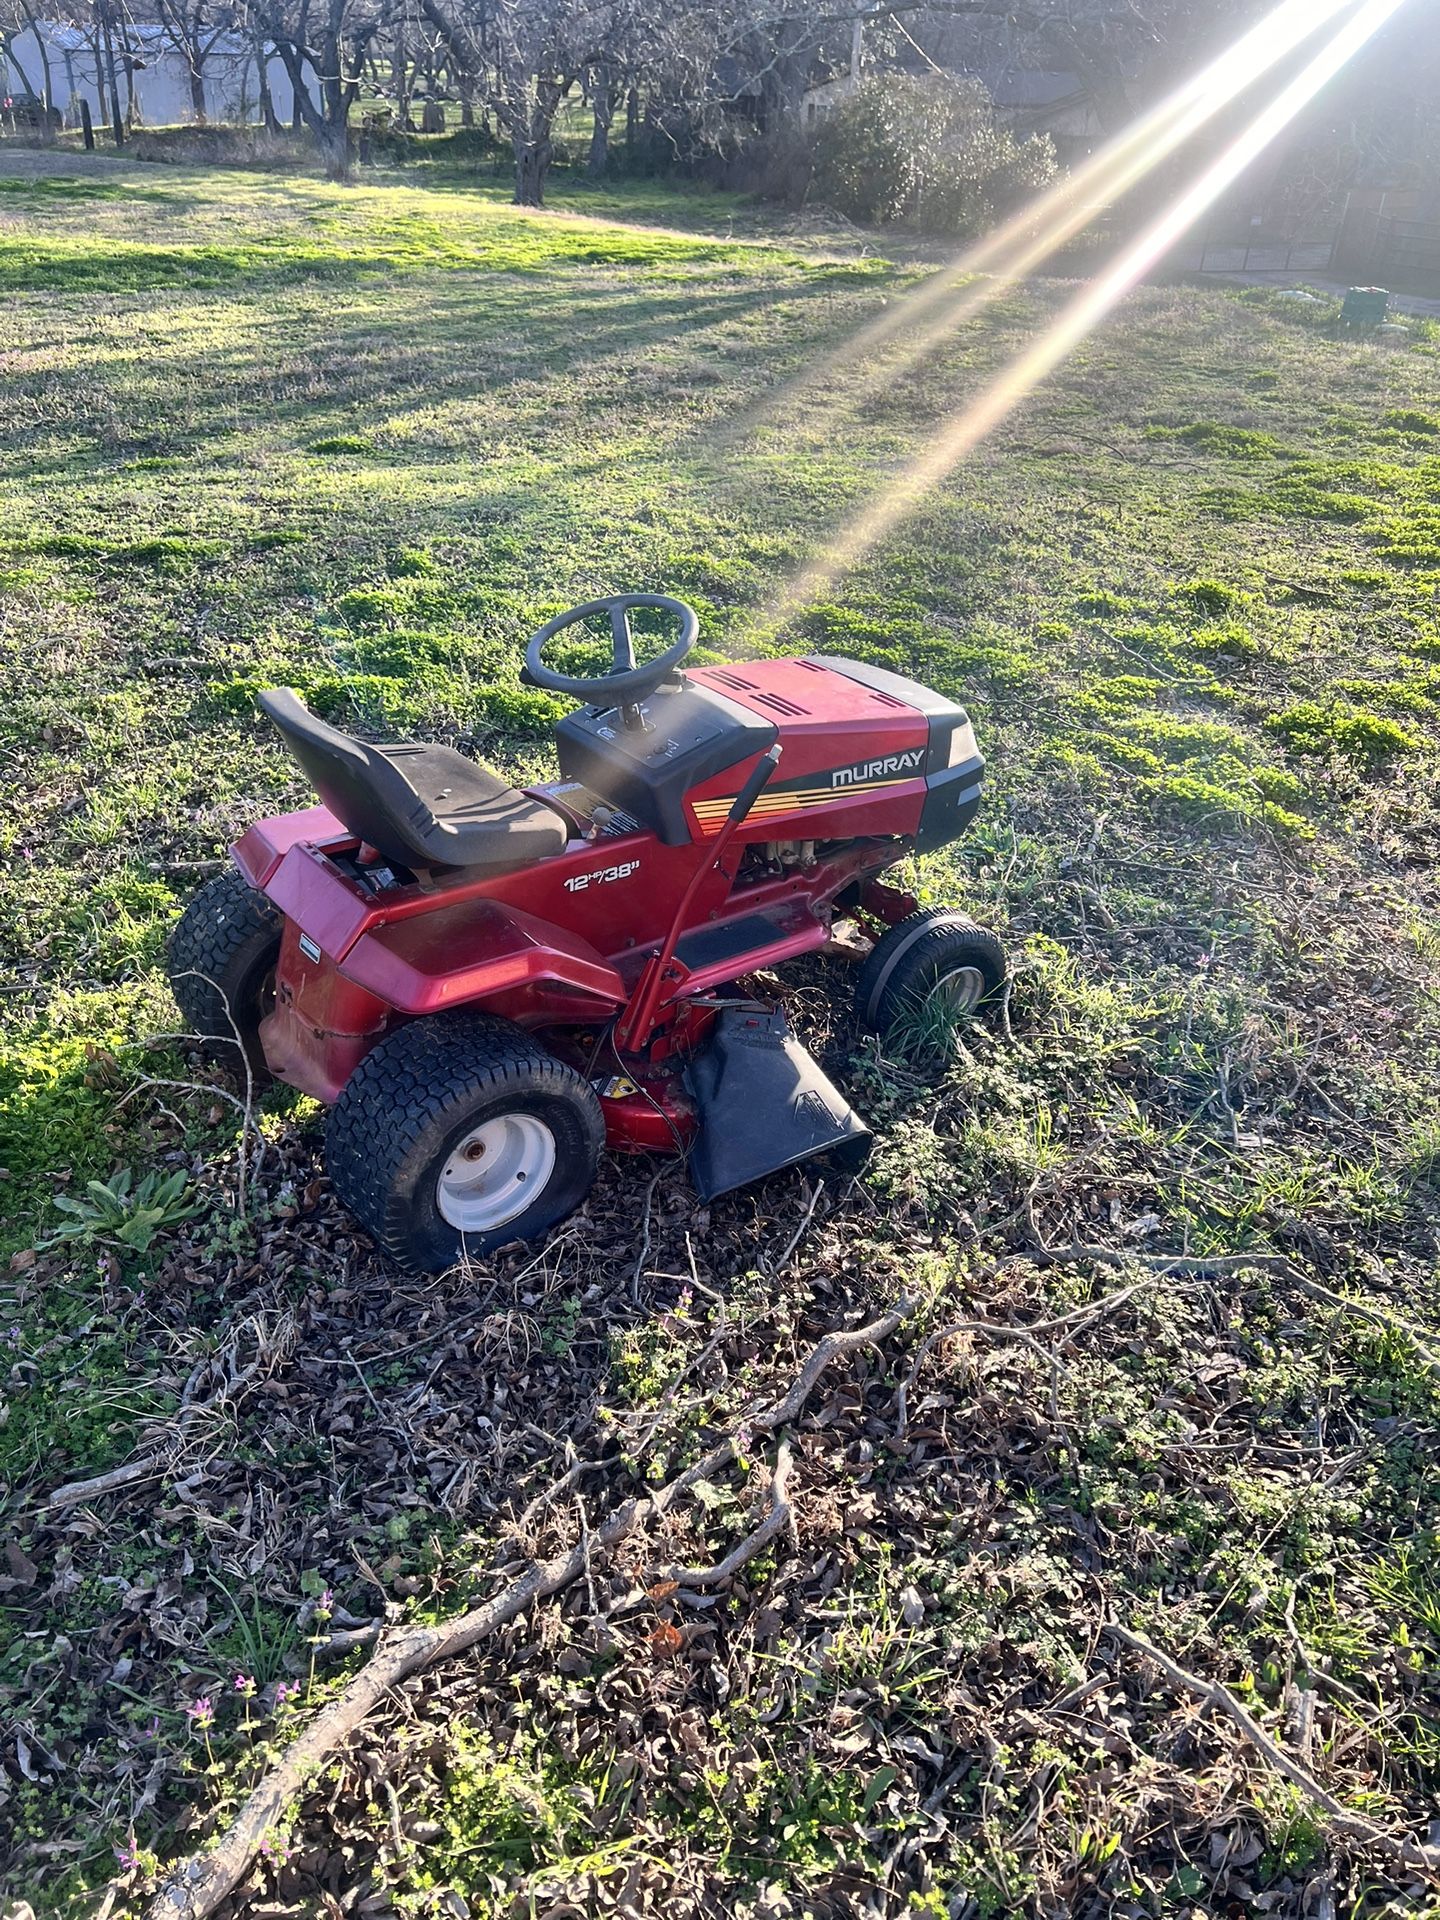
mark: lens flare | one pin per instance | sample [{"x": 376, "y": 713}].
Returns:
[
  {"x": 1046, "y": 223},
  {"x": 966, "y": 428}
]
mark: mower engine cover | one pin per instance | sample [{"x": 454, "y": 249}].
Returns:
[{"x": 850, "y": 732}]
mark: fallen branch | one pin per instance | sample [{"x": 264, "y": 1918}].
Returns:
[
  {"x": 798, "y": 1235},
  {"x": 1344, "y": 1819},
  {"x": 1075, "y": 1320},
  {"x": 146, "y": 1465},
  {"x": 198, "y": 1885},
  {"x": 190, "y": 1413},
  {"x": 777, "y": 1520},
  {"x": 1225, "y": 1266}
]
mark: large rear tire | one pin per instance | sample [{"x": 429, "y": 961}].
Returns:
[
  {"x": 931, "y": 961},
  {"x": 221, "y": 961},
  {"x": 459, "y": 1133}
]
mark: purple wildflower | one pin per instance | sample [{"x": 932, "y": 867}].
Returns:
[
  {"x": 127, "y": 1857},
  {"x": 244, "y": 1683},
  {"x": 201, "y": 1711}
]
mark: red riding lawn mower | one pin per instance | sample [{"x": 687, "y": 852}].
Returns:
[{"x": 487, "y": 985}]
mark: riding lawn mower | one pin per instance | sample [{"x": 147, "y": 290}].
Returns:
[{"x": 487, "y": 985}]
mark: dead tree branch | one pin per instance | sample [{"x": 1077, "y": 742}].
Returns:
[
  {"x": 1344, "y": 1819},
  {"x": 198, "y": 1885},
  {"x": 777, "y": 1519},
  {"x": 1226, "y": 1266},
  {"x": 190, "y": 1413}
]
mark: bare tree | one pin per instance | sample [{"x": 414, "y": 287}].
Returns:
[
  {"x": 323, "y": 42},
  {"x": 14, "y": 21},
  {"x": 524, "y": 56},
  {"x": 195, "y": 29}
]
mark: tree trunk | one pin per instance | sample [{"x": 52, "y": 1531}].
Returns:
[
  {"x": 47, "y": 124},
  {"x": 9, "y": 53},
  {"x": 334, "y": 144},
  {"x": 332, "y": 127},
  {"x": 197, "y": 87},
  {"x": 329, "y": 122},
  {"x": 598, "y": 157},
  {"x": 268, "y": 116},
  {"x": 532, "y": 162},
  {"x": 117, "y": 125},
  {"x": 400, "y": 84},
  {"x": 632, "y": 122},
  {"x": 529, "y": 117}
]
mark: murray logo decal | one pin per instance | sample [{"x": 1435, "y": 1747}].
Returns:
[
  {"x": 888, "y": 768},
  {"x": 821, "y": 789}
]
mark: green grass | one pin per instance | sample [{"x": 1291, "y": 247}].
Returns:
[{"x": 260, "y": 430}]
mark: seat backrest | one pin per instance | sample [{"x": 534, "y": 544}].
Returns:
[{"x": 359, "y": 787}]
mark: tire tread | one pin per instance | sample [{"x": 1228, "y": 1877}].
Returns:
[
  {"x": 215, "y": 945},
  {"x": 941, "y": 927},
  {"x": 392, "y": 1099}
]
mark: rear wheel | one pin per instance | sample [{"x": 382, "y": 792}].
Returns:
[
  {"x": 458, "y": 1134},
  {"x": 221, "y": 962},
  {"x": 933, "y": 962}
]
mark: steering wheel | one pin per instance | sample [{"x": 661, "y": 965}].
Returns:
[{"x": 625, "y": 683}]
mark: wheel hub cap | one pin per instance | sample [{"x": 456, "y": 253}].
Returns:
[
  {"x": 960, "y": 991},
  {"x": 494, "y": 1172}
]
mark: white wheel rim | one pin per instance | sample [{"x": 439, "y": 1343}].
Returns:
[
  {"x": 494, "y": 1172},
  {"x": 959, "y": 991}
]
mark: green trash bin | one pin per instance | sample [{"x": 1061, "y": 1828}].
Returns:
[{"x": 1365, "y": 307}]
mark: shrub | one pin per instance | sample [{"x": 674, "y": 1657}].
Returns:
[
  {"x": 927, "y": 151},
  {"x": 1214, "y": 436},
  {"x": 342, "y": 443},
  {"x": 1212, "y": 596},
  {"x": 166, "y": 552},
  {"x": 1309, "y": 727},
  {"x": 1099, "y": 603},
  {"x": 519, "y": 710},
  {"x": 1228, "y": 637}
]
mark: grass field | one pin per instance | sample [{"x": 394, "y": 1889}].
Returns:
[{"x": 361, "y": 442}]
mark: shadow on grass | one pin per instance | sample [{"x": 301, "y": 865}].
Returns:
[{"x": 468, "y": 342}]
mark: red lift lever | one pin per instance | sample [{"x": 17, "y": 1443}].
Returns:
[{"x": 637, "y": 1023}]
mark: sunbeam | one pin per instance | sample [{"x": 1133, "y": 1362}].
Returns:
[
  {"x": 964, "y": 429},
  {"x": 1043, "y": 225}
]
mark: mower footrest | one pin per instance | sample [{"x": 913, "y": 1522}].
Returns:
[{"x": 764, "y": 1104}]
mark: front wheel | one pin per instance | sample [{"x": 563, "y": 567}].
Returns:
[
  {"x": 933, "y": 962},
  {"x": 458, "y": 1134},
  {"x": 221, "y": 961}
]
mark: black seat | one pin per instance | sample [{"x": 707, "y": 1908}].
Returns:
[{"x": 417, "y": 805}]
